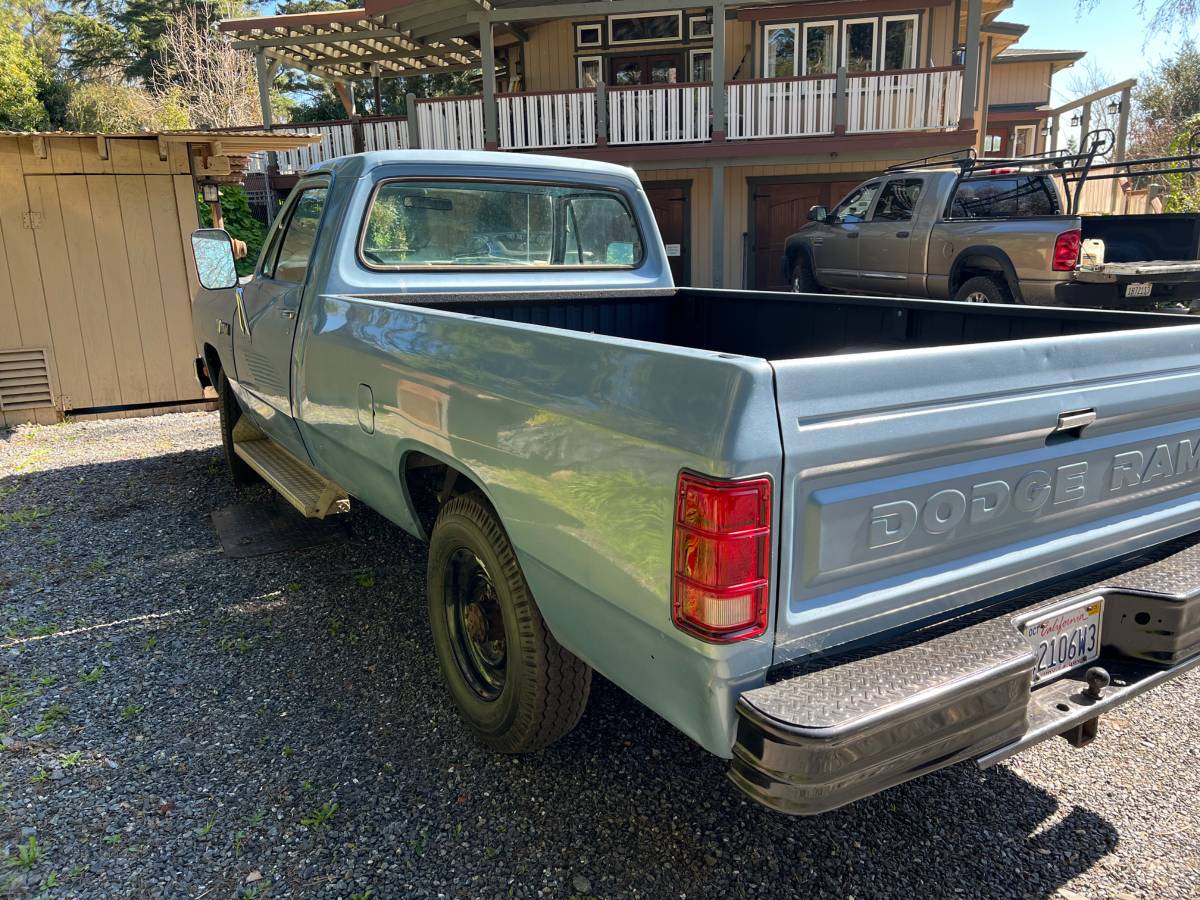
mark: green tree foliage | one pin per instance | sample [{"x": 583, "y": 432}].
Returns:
[
  {"x": 119, "y": 107},
  {"x": 239, "y": 222},
  {"x": 1165, "y": 116},
  {"x": 123, "y": 35},
  {"x": 21, "y": 73}
]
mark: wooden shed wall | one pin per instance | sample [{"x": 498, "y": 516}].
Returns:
[{"x": 95, "y": 270}]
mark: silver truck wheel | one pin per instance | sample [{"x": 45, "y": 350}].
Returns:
[
  {"x": 982, "y": 289},
  {"x": 514, "y": 685}
]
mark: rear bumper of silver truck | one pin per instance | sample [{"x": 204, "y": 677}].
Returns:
[{"x": 826, "y": 732}]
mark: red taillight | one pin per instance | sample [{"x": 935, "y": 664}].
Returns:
[
  {"x": 722, "y": 557},
  {"x": 1004, "y": 170},
  {"x": 1066, "y": 251}
]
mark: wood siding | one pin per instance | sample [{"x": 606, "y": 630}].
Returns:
[
  {"x": 95, "y": 269},
  {"x": 1020, "y": 83},
  {"x": 550, "y": 54}
]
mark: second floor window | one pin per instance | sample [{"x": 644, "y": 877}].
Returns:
[
  {"x": 780, "y": 46},
  {"x": 860, "y": 44}
]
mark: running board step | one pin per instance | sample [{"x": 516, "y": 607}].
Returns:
[{"x": 300, "y": 484}]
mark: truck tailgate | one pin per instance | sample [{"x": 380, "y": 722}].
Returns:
[
  {"x": 920, "y": 481},
  {"x": 1149, "y": 268}
]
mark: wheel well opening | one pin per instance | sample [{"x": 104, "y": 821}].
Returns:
[
  {"x": 430, "y": 483},
  {"x": 974, "y": 266},
  {"x": 212, "y": 362}
]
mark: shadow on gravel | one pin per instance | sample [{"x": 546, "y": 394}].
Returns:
[{"x": 237, "y": 699}]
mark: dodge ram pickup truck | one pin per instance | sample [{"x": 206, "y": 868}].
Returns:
[
  {"x": 979, "y": 232},
  {"x": 839, "y": 541}
]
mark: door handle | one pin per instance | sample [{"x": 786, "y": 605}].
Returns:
[
  {"x": 902, "y": 234},
  {"x": 288, "y": 313},
  {"x": 851, "y": 235}
]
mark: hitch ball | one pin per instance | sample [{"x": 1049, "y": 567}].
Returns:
[{"x": 1097, "y": 680}]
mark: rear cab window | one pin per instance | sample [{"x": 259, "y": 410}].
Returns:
[
  {"x": 1004, "y": 196},
  {"x": 417, "y": 223}
]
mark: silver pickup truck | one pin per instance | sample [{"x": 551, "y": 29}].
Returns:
[
  {"x": 974, "y": 231},
  {"x": 840, "y": 541}
]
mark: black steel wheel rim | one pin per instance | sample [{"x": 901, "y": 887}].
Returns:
[{"x": 475, "y": 623}]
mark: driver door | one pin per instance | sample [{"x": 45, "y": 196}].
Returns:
[
  {"x": 836, "y": 246},
  {"x": 271, "y": 300}
]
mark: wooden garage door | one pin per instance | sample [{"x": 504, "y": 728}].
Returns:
[
  {"x": 115, "y": 278},
  {"x": 780, "y": 209}
]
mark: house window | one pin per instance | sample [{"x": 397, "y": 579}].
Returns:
[
  {"x": 700, "y": 68},
  {"x": 699, "y": 27},
  {"x": 591, "y": 35},
  {"x": 589, "y": 70},
  {"x": 992, "y": 143},
  {"x": 820, "y": 48},
  {"x": 1024, "y": 140},
  {"x": 859, "y": 40},
  {"x": 645, "y": 28},
  {"x": 899, "y": 42},
  {"x": 780, "y": 49}
]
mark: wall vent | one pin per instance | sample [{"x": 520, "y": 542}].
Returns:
[{"x": 24, "y": 380}]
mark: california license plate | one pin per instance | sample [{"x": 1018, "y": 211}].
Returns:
[
  {"x": 1066, "y": 638},
  {"x": 1138, "y": 289}
]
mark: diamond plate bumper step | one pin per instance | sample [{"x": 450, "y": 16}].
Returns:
[
  {"x": 300, "y": 484},
  {"x": 829, "y": 731}
]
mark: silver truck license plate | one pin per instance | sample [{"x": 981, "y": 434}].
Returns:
[
  {"x": 1138, "y": 289},
  {"x": 1066, "y": 638}
]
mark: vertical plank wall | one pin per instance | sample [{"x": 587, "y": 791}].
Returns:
[{"x": 104, "y": 281}]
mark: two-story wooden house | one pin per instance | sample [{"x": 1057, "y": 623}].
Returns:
[
  {"x": 1019, "y": 92},
  {"x": 738, "y": 115}
]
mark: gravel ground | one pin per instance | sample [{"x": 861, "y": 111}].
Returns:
[{"x": 179, "y": 724}]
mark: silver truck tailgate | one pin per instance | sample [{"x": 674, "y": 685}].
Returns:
[
  {"x": 1148, "y": 268},
  {"x": 920, "y": 481}
]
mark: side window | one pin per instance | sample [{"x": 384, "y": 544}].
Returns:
[
  {"x": 856, "y": 206},
  {"x": 998, "y": 198},
  {"x": 898, "y": 202},
  {"x": 300, "y": 233}
]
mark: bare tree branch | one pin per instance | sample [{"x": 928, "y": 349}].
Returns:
[
  {"x": 1168, "y": 15},
  {"x": 215, "y": 82}
]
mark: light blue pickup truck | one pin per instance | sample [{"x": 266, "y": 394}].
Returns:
[{"x": 840, "y": 541}]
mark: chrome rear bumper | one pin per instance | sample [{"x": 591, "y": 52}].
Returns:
[{"x": 835, "y": 730}]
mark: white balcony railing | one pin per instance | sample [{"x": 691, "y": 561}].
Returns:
[
  {"x": 904, "y": 101},
  {"x": 918, "y": 100},
  {"x": 781, "y": 107},
  {"x": 660, "y": 114},
  {"x": 385, "y": 134},
  {"x": 543, "y": 120},
  {"x": 337, "y": 139},
  {"x": 451, "y": 124}
]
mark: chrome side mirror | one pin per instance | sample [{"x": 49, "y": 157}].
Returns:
[
  {"x": 818, "y": 214},
  {"x": 213, "y": 250}
]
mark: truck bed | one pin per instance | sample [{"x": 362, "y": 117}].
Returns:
[{"x": 776, "y": 326}]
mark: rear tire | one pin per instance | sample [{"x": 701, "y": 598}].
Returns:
[
  {"x": 983, "y": 289},
  {"x": 231, "y": 411},
  {"x": 514, "y": 685},
  {"x": 803, "y": 280}
]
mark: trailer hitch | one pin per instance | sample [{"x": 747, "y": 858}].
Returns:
[{"x": 1084, "y": 733}]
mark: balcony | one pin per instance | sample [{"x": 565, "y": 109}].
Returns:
[{"x": 658, "y": 115}]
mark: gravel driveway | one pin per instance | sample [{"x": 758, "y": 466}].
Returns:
[{"x": 181, "y": 724}]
